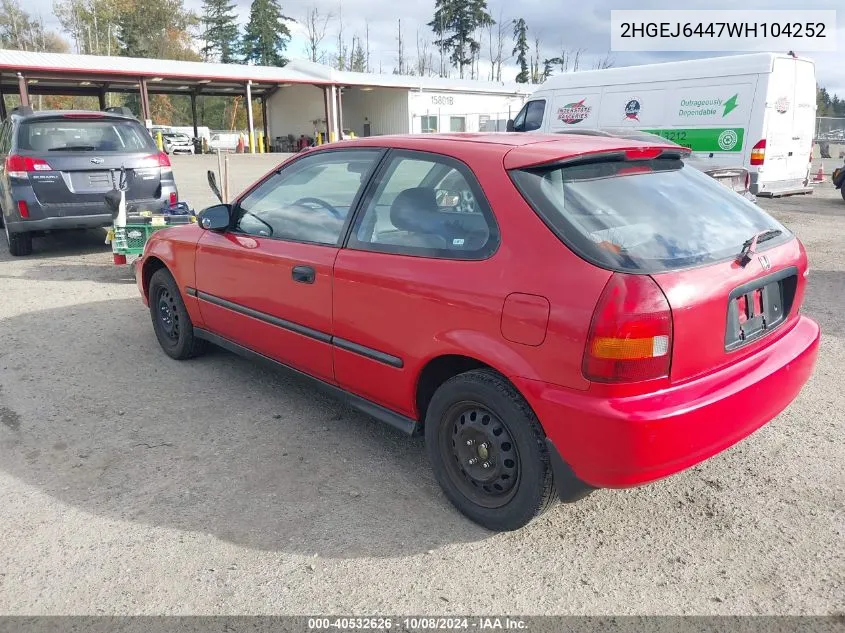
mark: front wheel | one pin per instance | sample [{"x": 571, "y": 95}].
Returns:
[
  {"x": 488, "y": 451},
  {"x": 172, "y": 325}
]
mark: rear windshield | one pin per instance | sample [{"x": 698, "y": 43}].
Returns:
[
  {"x": 97, "y": 135},
  {"x": 644, "y": 216}
]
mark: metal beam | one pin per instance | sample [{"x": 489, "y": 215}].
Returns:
[
  {"x": 22, "y": 89},
  {"x": 339, "y": 113},
  {"x": 3, "y": 113},
  {"x": 266, "y": 126},
  {"x": 250, "y": 124},
  {"x": 145, "y": 101},
  {"x": 101, "y": 97},
  {"x": 194, "y": 112}
]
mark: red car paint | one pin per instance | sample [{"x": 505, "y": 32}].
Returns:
[{"x": 525, "y": 311}]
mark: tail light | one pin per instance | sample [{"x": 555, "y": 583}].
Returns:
[
  {"x": 159, "y": 159},
  {"x": 23, "y": 209},
  {"x": 18, "y": 166},
  {"x": 758, "y": 153},
  {"x": 630, "y": 336},
  {"x": 173, "y": 198}
]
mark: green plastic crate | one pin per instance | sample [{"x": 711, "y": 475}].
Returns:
[{"x": 130, "y": 239}]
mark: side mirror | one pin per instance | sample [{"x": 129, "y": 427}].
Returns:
[
  {"x": 509, "y": 126},
  {"x": 212, "y": 182},
  {"x": 215, "y": 218}
]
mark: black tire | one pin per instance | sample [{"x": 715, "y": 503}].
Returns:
[
  {"x": 20, "y": 244},
  {"x": 480, "y": 415},
  {"x": 842, "y": 190},
  {"x": 172, "y": 325}
]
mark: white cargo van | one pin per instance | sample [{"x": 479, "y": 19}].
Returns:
[{"x": 757, "y": 111}]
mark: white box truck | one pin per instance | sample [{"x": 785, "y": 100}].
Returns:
[{"x": 756, "y": 111}]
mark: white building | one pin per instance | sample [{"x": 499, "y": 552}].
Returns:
[{"x": 302, "y": 98}]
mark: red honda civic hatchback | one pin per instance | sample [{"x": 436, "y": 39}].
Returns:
[{"x": 555, "y": 313}]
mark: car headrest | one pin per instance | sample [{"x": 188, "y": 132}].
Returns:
[
  {"x": 411, "y": 208},
  {"x": 40, "y": 142}
]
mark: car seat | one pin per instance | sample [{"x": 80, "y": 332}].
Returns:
[{"x": 417, "y": 220}]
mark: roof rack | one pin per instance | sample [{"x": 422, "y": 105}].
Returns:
[{"x": 24, "y": 110}]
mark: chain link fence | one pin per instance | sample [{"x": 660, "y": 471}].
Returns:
[{"x": 830, "y": 129}]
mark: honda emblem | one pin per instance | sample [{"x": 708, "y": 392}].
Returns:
[
  {"x": 764, "y": 262},
  {"x": 97, "y": 161}
]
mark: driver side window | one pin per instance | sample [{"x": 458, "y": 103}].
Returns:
[{"x": 309, "y": 200}]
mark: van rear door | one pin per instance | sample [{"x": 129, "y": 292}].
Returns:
[
  {"x": 778, "y": 127},
  {"x": 803, "y": 119},
  {"x": 790, "y": 118}
]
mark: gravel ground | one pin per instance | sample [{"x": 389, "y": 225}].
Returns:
[{"x": 133, "y": 484}]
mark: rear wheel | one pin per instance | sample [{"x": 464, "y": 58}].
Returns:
[
  {"x": 488, "y": 451},
  {"x": 172, "y": 325},
  {"x": 20, "y": 244}
]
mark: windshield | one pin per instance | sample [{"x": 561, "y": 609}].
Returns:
[
  {"x": 643, "y": 216},
  {"x": 100, "y": 135}
]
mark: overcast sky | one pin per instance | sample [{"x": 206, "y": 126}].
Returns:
[{"x": 562, "y": 23}]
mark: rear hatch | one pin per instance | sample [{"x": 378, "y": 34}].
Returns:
[
  {"x": 79, "y": 157},
  {"x": 671, "y": 222}
]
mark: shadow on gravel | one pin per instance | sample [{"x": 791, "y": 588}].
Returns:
[
  {"x": 107, "y": 423},
  {"x": 69, "y": 243},
  {"x": 825, "y": 300}
]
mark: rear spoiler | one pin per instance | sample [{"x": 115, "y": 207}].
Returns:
[{"x": 617, "y": 155}]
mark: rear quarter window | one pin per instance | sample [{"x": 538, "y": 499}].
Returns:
[{"x": 643, "y": 216}]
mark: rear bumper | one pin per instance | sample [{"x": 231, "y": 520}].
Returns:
[
  {"x": 776, "y": 188},
  {"x": 61, "y": 223},
  {"x": 629, "y": 441}
]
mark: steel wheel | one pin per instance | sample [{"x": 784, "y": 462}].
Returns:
[
  {"x": 484, "y": 461},
  {"x": 167, "y": 314}
]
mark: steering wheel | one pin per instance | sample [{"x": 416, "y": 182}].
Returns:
[{"x": 320, "y": 203}]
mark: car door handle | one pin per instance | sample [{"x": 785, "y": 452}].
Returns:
[{"x": 303, "y": 274}]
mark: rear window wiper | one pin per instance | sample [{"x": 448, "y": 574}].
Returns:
[
  {"x": 749, "y": 246},
  {"x": 73, "y": 148}
]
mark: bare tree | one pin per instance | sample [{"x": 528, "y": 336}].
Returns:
[
  {"x": 401, "y": 55},
  {"x": 424, "y": 56},
  {"x": 316, "y": 25},
  {"x": 367, "y": 51},
  {"x": 536, "y": 70},
  {"x": 342, "y": 57},
  {"x": 604, "y": 62},
  {"x": 497, "y": 35}
]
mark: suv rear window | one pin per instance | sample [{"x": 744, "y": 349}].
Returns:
[
  {"x": 68, "y": 135},
  {"x": 643, "y": 216}
]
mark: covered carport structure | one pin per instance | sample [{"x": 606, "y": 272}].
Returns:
[{"x": 27, "y": 74}]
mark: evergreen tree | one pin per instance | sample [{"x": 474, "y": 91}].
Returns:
[
  {"x": 266, "y": 35},
  {"x": 520, "y": 49},
  {"x": 455, "y": 23},
  {"x": 220, "y": 31}
]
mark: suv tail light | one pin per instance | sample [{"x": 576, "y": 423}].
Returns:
[
  {"x": 18, "y": 166},
  {"x": 23, "y": 209},
  {"x": 630, "y": 336},
  {"x": 159, "y": 159},
  {"x": 758, "y": 153},
  {"x": 174, "y": 198}
]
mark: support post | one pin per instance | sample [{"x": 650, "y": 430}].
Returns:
[
  {"x": 22, "y": 89},
  {"x": 145, "y": 102},
  {"x": 249, "y": 122},
  {"x": 339, "y": 113},
  {"x": 327, "y": 102},
  {"x": 101, "y": 95},
  {"x": 3, "y": 114},
  {"x": 194, "y": 113},
  {"x": 266, "y": 125}
]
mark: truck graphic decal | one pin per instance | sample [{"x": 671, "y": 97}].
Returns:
[
  {"x": 705, "y": 139},
  {"x": 574, "y": 112}
]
